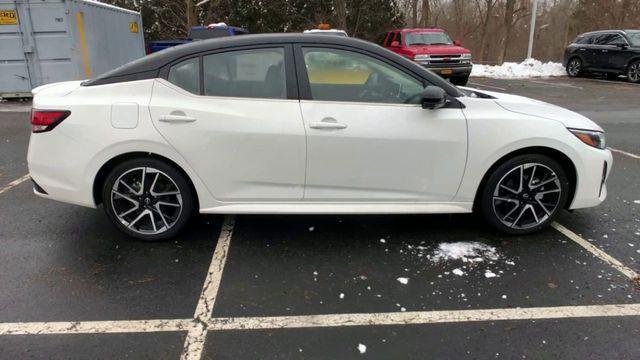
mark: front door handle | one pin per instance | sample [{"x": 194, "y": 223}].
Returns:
[
  {"x": 327, "y": 123},
  {"x": 176, "y": 119}
]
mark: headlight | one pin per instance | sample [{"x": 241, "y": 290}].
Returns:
[
  {"x": 465, "y": 56},
  {"x": 421, "y": 57},
  {"x": 591, "y": 138}
]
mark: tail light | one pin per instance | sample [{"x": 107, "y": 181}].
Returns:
[{"x": 46, "y": 120}]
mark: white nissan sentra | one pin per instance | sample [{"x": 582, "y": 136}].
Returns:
[{"x": 305, "y": 124}]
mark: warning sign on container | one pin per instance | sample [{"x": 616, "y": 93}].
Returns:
[
  {"x": 133, "y": 27},
  {"x": 8, "y": 17}
]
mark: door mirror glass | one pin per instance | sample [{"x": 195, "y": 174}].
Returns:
[
  {"x": 433, "y": 98},
  {"x": 395, "y": 44},
  {"x": 457, "y": 43}
]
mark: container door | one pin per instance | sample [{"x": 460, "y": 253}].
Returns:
[{"x": 14, "y": 71}]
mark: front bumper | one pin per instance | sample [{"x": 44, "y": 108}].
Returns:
[
  {"x": 591, "y": 187},
  {"x": 450, "y": 70}
]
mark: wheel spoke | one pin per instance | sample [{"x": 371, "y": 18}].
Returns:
[
  {"x": 509, "y": 189},
  {"x": 515, "y": 222},
  {"x": 542, "y": 183},
  {"x": 144, "y": 174},
  {"x": 161, "y": 215},
  {"x": 533, "y": 174},
  {"x": 543, "y": 207},
  {"x": 166, "y": 193},
  {"x": 134, "y": 208},
  {"x": 511, "y": 211},
  {"x": 125, "y": 197},
  {"x": 167, "y": 204},
  {"x": 153, "y": 184},
  {"x": 548, "y": 192},
  {"x": 130, "y": 188},
  {"x": 521, "y": 178},
  {"x": 535, "y": 216},
  {"x": 140, "y": 216}
]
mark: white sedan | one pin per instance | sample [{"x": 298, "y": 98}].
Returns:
[{"x": 305, "y": 124}]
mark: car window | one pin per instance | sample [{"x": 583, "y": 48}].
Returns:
[
  {"x": 389, "y": 39},
  {"x": 398, "y": 38},
  {"x": 634, "y": 37},
  {"x": 256, "y": 73},
  {"x": 582, "y": 39},
  {"x": 617, "y": 39},
  {"x": 604, "y": 39},
  {"x": 341, "y": 75},
  {"x": 186, "y": 75}
]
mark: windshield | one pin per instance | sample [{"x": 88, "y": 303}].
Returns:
[
  {"x": 634, "y": 37},
  {"x": 427, "y": 38}
]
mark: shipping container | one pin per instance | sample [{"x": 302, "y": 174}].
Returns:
[{"x": 45, "y": 41}]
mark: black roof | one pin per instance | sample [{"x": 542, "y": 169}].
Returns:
[
  {"x": 148, "y": 67},
  {"x": 608, "y": 31}
]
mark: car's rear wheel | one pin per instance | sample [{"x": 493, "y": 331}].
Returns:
[
  {"x": 459, "y": 80},
  {"x": 633, "y": 72},
  {"x": 148, "y": 199},
  {"x": 524, "y": 194},
  {"x": 574, "y": 67}
]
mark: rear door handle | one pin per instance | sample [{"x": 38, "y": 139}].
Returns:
[
  {"x": 176, "y": 119},
  {"x": 327, "y": 123}
]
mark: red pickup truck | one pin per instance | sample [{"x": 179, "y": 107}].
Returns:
[{"x": 433, "y": 49}]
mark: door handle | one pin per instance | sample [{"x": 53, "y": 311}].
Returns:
[
  {"x": 176, "y": 119},
  {"x": 605, "y": 50},
  {"x": 582, "y": 49},
  {"x": 327, "y": 123}
]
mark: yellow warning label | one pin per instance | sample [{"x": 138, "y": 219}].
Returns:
[
  {"x": 133, "y": 27},
  {"x": 8, "y": 17}
]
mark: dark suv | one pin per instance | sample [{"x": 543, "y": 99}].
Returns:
[{"x": 612, "y": 52}]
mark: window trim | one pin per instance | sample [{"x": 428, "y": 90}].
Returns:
[
  {"x": 289, "y": 66},
  {"x": 304, "y": 86}
]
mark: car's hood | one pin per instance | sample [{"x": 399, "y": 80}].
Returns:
[
  {"x": 541, "y": 109},
  {"x": 437, "y": 49}
]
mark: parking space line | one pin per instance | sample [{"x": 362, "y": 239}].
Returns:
[
  {"x": 628, "y": 272},
  {"x": 624, "y": 153},
  {"x": 15, "y": 183},
  {"x": 194, "y": 342},
  {"x": 487, "y": 86},
  {"x": 423, "y": 317},
  {"x": 95, "y": 327},
  {"x": 556, "y": 84}
]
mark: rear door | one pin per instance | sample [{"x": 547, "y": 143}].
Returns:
[
  {"x": 618, "y": 52},
  {"x": 237, "y": 122}
]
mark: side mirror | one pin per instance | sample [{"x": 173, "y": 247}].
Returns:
[
  {"x": 457, "y": 43},
  {"x": 433, "y": 98},
  {"x": 395, "y": 44}
]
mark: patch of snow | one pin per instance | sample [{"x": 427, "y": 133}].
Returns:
[
  {"x": 529, "y": 68},
  {"x": 362, "y": 348},
  {"x": 341, "y": 295},
  {"x": 504, "y": 296},
  {"x": 458, "y": 272},
  {"x": 383, "y": 241},
  {"x": 403, "y": 280},
  {"x": 311, "y": 228},
  {"x": 636, "y": 201},
  {"x": 489, "y": 274},
  {"x": 465, "y": 251}
]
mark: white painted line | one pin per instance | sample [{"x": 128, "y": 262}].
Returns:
[
  {"x": 557, "y": 84},
  {"x": 487, "y": 86},
  {"x": 15, "y": 183},
  {"x": 422, "y": 317},
  {"x": 624, "y": 153},
  {"x": 194, "y": 342},
  {"x": 628, "y": 272},
  {"x": 95, "y": 327}
]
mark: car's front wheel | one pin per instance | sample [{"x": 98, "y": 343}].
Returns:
[
  {"x": 633, "y": 72},
  {"x": 148, "y": 199},
  {"x": 574, "y": 67},
  {"x": 524, "y": 194}
]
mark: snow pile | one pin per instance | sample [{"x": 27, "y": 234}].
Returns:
[
  {"x": 466, "y": 251},
  {"x": 527, "y": 69}
]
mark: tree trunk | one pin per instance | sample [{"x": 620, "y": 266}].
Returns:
[
  {"x": 191, "y": 14},
  {"x": 341, "y": 15},
  {"x": 425, "y": 19},
  {"x": 485, "y": 26},
  {"x": 509, "y": 9},
  {"x": 414, "y": 13}
]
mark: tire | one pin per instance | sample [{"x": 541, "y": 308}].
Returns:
[
  {"x": 153, "y": 210},
  {"x": 574, "y": 67},
  {"x": 633, "y": 72},
  {"x": 518, "y": 210},
  {"x": 459, "y": 80}
]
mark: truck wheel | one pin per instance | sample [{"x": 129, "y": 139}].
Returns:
[{"x": 459, "y": 80}]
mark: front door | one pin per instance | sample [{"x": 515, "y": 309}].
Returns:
[
  {"x": 368, "y": 139},
  {"x": 236, "y": 124}
]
